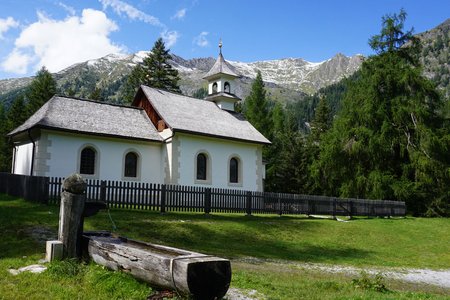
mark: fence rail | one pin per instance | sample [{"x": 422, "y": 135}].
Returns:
[{"x": 162, "y": 197}]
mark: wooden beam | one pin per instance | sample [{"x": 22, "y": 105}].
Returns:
[{"x": 189, "y": 273}]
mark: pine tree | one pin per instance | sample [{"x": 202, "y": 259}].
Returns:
[
  {"x": 14, "y": 117},
  {"x": 155, "y": 71},
  {"x": 321, "y": 122},
  {"x": 256, "y": 107},
  {"x": 387, "y": 142},
  {"x": 96, "y": 94},
  {"x": 41, "y": 89},
  {"x": 201, "y": 93},
  {"x": 278, "y": 118}
]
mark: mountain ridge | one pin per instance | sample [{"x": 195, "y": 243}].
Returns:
[{"x": 285, "y": 78}]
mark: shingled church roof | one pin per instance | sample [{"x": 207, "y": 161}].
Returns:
[
  {"x": 221, "y": 67},
  {"x": 191, "y": 115},
  {"x": 91, "y": 117}
]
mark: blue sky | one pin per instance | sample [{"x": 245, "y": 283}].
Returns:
[{"x": 59, "y": 33}]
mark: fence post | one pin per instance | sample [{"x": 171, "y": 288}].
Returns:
[
  {"x": 249, "y": 203},
  {"x": 280, "y": 211},
  {"x": 163, "y": 199},
  {"x": 45, "y": 190},
  {"x": 207, "y": 200},
  {"x": 334, "y": 208},
  {"x": 103, "y": 191},
  {"x": 351, "y": 208}
]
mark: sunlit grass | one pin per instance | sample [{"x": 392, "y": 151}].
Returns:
[{"x": 410, "y": 242}]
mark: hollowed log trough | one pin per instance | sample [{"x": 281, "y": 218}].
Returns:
[{"x": 198, "y": 275}]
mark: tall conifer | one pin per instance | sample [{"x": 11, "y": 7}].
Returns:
[
  {"x": 386, "y": 141},
  {"x": 155, "y": 71},
  {"x": 257, "y": 109},
  {"x": 41, "y": 89}
]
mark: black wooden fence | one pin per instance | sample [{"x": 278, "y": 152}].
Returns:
[
  {"x": 162, "y": 197},
  {"x": 31, "y": 188}
]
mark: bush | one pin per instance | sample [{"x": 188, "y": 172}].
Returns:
[{"x": 366, "y": 282}]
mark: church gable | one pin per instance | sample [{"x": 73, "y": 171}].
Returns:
[{"x": 141, "y": 100}]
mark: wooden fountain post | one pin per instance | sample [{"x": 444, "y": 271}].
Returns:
[{"x": 73, "y": 200}]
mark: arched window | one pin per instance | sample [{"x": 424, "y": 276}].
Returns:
[
  {"x": 226, "y": 87},
  {"x": 214, "y": 87},
  {"x": 87, "y": 161},
  {"x": 234, "y": 170},
  {"x": 131, "y": 164},
  {"x": 201, "y": 166}
]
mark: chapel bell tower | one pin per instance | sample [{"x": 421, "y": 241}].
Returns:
[{"x": 221, "y": 83}]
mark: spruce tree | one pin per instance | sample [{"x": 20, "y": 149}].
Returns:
[
  {"x": 96, "y": 94},
  {"x": 15, "y": 116},
  {"x": 321, "y": 122},
  {"x": 155, "y": 71},
  {"x": 256, "y": 107},
  {"x": 41, "y": 89},
  {"x": 387, "y": 141}
]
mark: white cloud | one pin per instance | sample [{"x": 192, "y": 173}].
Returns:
[
  {"x": 201, "y": 40},
  {"x": 58, "y": 44},
  {"x": 16, "y": 62},
  {"x": 170, "y": 37},
  {"x": 69, "y": 9},
  {"x": 179, "y": 14},
  {"x": 6, "y": 24},
  {"x": 130, "y": 11}
]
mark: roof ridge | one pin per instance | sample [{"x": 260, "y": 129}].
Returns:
[
  {"x": 173, "y": 93},
  {"x": 97, "y": 102}
]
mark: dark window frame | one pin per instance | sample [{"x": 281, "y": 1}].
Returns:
[
  {"x": 225, "y": 86},
  {"x": 234, "y": 170},
  {"x": 202, "y": 166},
  {"x": 131, "y": 165},
  {"x": 88, "y": 159}
]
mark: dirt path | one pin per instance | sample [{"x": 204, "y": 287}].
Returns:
[{"x": 440, "y": 278}]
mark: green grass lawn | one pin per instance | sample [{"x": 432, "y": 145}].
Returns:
[{"x": 410, "y": 242}]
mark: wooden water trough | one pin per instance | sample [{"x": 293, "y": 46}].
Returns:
[{"x": 189, "y": 273}]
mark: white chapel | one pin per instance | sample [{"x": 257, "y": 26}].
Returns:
[{"x": 162, "y": 137}]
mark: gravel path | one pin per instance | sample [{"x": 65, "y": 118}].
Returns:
[{"x": 439, "y": 278}]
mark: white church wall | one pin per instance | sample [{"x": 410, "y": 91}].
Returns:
[
  {"x": 220, "y": 152},
  {"x": 22, "y": 159},
  {"x": 65, "y": 152}
]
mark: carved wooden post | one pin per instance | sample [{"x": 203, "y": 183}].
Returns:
[{"x": 71, "y": 215}]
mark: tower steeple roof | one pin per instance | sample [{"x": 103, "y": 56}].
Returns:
[{"x": 220, "y": 67}]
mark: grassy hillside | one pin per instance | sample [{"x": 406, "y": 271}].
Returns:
[{"x": 269, "y": 239}]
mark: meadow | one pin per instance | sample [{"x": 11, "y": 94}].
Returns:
[{"x": 267, "y": 253}]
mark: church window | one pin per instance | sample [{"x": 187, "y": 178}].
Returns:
[
  {"x": 202, "y": 162},
  {"x": 234, "y": 170},
  {"x": 131, "y": 164},
  {"x": 226, "y": 87},
  {"x": 214, "y": 87},
  {"x": 87, "y": 161}
]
